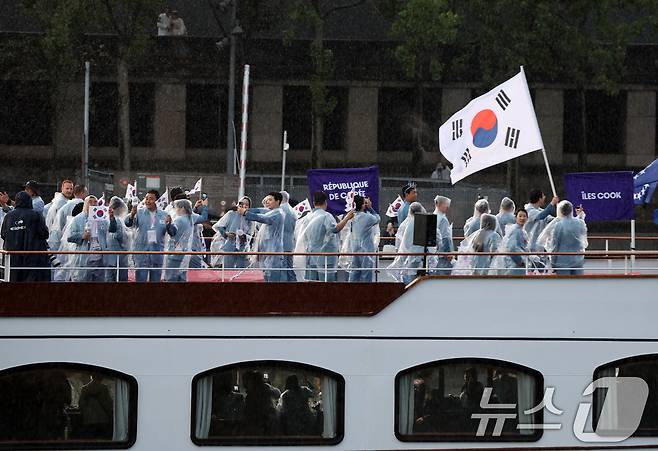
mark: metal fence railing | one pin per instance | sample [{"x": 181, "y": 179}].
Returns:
[{"x": 324, "y": 267}]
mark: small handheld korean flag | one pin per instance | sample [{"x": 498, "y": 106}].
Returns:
[
  {"x": 349, "y": 201},
  {"x": 131, "y": 191},
  {"x": 99, "y": 213},
  {"x": 392, "y": 211},
  {"x": 495, "y": 127},
  {"x": 301, "y": 207},
  {"x": 101, "y": 201},
  {"x": 197, "y": 187},
  {"x": 163, "y": 201}
]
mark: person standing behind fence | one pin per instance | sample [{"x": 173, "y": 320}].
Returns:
[
  {"x": 566, "y": 234},
  {"x": 150, "y": 232},
  {"x": 117, "y": 240},
  {"x": 409, "y": 195},
  {"x": 505, "y": 214},
  {"x": 24, "y": 229},
  {"x": 288, "y": 236},
  {"x": 321, "y": 235},
  {"x": 270, "y": 235},
  {"x": 237, "y": 233},
  {"x": 444, "y": 242},
  {"x": 181, "y": 230},
  {"x": 361, "y": 239},
  {"x": 88, "y": 235}
]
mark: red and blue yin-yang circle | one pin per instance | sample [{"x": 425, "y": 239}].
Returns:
[{"x": 484, "y": 128}]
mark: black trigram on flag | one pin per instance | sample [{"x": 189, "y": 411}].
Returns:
[
  {"x": 512, "y": 137},
  {"x": 503, "y": 100},
  {"x": 456, "y": 129}
]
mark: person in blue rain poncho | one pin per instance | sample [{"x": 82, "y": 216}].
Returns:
[
  {"x": 515, "y": 240},
  {"x": 441, "y": 264},
  {"x": 505, "y": 214},
  {"x": 472, "y": 224},
  {"x": 538, "y": 217},
  {"x": 150, "y": 225},
  {"x": 118, "y": 239},
  {"x": 288, "y": 236},
  {"x": 405, "y": 267},
  {"x": 566, "y": 233},
  {"x": 409, "y": 195},
  {"x": 484, "y": 240},
  {"x": 88, "y": 234},
  {"x": 361, "y": 239},
  {"x": 321, "y": 235},
  {"x": 270, "y": 235},
  {"x": 237, "y": 232},
  {"x": 181, "y": 233}
]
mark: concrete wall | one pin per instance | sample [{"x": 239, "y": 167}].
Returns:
[
  {"x": 640, "y": 133},
  {"x": 169, "y": 122}
]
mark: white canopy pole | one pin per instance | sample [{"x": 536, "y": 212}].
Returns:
[
  {"x": 286, "y": 146},
  {"x": 632, "y": 244},
  {"x": 243, "y": 135}
]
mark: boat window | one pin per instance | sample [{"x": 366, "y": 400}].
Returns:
[
  {"x": 619, "y": 419},
  {"x": 465, "y": 399},
  {"x": 267, "y": 403},
  {"x": 67, "y": 405}
]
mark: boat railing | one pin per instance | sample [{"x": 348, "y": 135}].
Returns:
[{"x": 404, "y": 266}]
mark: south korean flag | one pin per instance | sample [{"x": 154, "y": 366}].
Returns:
[{"x": 495, "y": 127}]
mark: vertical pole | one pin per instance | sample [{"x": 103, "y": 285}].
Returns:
[
  {"x": 85, "y": 148},
  {"x": 283, "y": 160},
  {"x": 607, "y": 248},
  {"x": 243, "y": 135},
  {"x": 632, "y": 244},
  {"x": 325, "y": 268},
  {"x": 118, "y": 266},
  {"x": 7, "y": 267},
  {"x": 230, "y": 136}
]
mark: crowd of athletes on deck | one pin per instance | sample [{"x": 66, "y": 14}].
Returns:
[{"x": 65, "y": 225}]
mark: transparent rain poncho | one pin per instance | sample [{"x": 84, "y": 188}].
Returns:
[
  {"x": 444, "y": 241},
  {"x": 505, "y": 214},
  {"x": 270, "y": 239},
  {"x": 472, "y": 224},
  {"x": 566, "y": 233},
  {"x": 233, "y": 234},
  {"x": 515, "y": 240},
  {"x": 88, "y": 266},
  {"x": 486, "y": 239},
  {"x": 181, "y": 233},
  {"x": 405, "y": 267},
  {"x": 363, "y": 236},
  {"x": 119, "y": 240},
  {"x": 319, "y": 235},
  {"x": 59, "y": 221}
]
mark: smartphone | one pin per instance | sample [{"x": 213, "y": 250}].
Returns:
[{"x": 204, "y": 196}]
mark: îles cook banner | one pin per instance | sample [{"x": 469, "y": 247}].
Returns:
[
  {"x": 605, "y": 196},
  {"x": 337, "y": 184}
]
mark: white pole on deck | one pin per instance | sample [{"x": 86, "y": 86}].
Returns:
[
  {"x": 286, "y": 146},
  {"x": 243, "y": 134},
  {"x": 632, "y": 244},
  {"x": 85, "y": 144}
]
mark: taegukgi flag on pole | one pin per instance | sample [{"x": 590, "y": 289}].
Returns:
[{"x": 495, "y": 127}]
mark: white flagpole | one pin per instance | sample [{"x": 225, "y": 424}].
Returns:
[
  {"x": 543, "y": 149},
  {"x": 632, "y": 244},
  {"x": 243, "y": 135},
  {"x": 283, "y": 160}
]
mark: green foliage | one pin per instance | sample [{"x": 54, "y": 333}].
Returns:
[{"x": 425, "y": 28}]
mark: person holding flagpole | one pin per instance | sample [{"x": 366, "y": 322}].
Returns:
[{"x": 538, "y": 217}]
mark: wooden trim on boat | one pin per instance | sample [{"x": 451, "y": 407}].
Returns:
[{"x": 197, "y": 299}]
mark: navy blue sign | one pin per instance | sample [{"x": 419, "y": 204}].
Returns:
[
  {"x": 605, "y": 196},
  {"x": 338, "y": 183}
]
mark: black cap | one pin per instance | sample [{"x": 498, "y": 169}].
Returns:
[{"x": 32, "y": 184}]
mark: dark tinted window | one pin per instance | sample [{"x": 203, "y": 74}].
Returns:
[
  {"x": 271, "y": 402},
  {"x": 395, "y": 119},
  {"x": 297, "y": 116},
  {"x": 25, "y": 113},
  {"x": 643, "y": 367},
  {"x": 205, "y": 124},
  {"x": 336, "y": 123},
  {"x": 142, "y": 110},
  {"x": 443, "y": 401},
  {"x": 604, "y": 121},
  {"x": 103, "y": 117},
  {"x": 62, "y": 405}
]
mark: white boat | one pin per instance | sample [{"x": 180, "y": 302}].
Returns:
[{"x": 327, "y": 366}]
